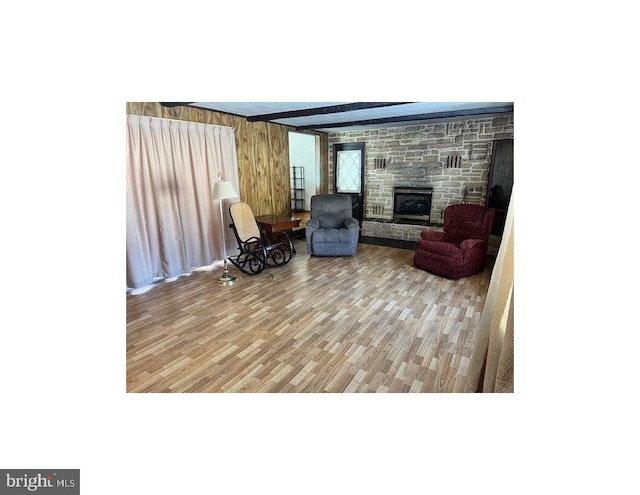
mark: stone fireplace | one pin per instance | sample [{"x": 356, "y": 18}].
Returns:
[{"x": 451, "y": 159}]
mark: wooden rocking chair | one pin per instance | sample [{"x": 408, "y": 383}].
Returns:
[{"x": 256, "y": 253}]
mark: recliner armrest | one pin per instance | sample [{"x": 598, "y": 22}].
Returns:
[
  {"x": 310, "y": 227},
  {"x": 473, "y": 244},
  {"x": 351, "y": 223},
  {"x": 314, "y": 223}
]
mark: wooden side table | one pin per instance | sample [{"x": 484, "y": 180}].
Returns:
[{"x": 276, "y": 228}]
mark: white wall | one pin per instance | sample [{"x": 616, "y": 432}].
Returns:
[{"x": 302, "y": 153}]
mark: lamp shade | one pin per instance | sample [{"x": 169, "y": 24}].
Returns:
[{"x": 222, "y": 190}]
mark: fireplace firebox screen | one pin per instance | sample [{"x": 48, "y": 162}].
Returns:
[{"x": 412, "y": 203}]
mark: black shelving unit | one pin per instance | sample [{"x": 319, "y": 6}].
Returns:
[{"x": 297, "y": 188}]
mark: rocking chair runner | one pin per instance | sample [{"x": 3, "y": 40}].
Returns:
[{"x": 256, "y": 253}]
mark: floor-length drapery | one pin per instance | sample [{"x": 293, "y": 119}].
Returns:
[
  {"x": 492, "y": 361},
  {"x": 173, "y": 224}
]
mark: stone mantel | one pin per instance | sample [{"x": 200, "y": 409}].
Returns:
[{"x": 425, "y": 168}]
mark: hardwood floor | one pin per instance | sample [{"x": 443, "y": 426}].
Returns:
[{"x": 368, "y": 323}]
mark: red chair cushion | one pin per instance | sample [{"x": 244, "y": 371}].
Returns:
[{"x": 441, "y": 248}]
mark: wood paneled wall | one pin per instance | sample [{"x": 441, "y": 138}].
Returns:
[
  {"x": 262, "y": 150},
  {"x": 323, "y": 187}
]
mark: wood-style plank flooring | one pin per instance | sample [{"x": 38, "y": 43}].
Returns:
[{"x": 368, "y": 323}]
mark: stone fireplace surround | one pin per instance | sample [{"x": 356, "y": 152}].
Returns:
[{"x": 451, "y": 157}]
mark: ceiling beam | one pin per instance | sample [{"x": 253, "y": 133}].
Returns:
[
  {"x": 170, "y": 104},
  {"x": 409, "y": 118},
  {"x": 346, "y": 107}
]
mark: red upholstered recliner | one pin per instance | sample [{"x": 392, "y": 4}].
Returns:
[{"x": 461, "y": 250}]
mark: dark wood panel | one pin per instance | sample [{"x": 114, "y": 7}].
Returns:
[
  {"x": 262, "y": 202},
  {"x": 323, "y": 187},
  {"x": 279, "y": 170}
]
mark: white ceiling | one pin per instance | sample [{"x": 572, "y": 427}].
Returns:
[{"x": 347, "y": 116}]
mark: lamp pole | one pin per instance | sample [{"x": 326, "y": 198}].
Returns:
[
  {"x": 225, "y": 279},
  {"x": 223, "y": 190}
]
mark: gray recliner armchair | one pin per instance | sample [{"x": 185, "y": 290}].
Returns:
[{"x": 332, "y": 230}]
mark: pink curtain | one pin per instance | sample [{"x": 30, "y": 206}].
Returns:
[{"x": 173, "y": 224}]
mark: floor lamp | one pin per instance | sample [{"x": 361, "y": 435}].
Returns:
[{"x": 222, "y": 190}]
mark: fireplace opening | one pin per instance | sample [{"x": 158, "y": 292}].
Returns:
[{"x": 412, "y": 204}]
